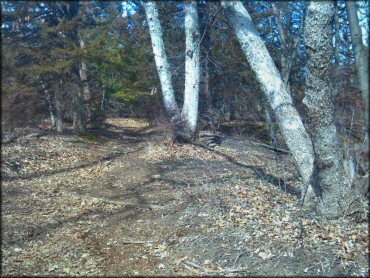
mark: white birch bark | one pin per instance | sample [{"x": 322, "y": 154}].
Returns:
[
  {"x": 50, "y": 105},
  {"x": 272, "y": 85},
  {"x": 160, "y": 58},
  {"x": 192, "y": 68},
  {"x": 330, "y": 174},
  {"x": 361, "y": 57}
]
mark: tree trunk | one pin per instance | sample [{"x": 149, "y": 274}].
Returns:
[
  {"x": 79, "y": 122},
  {"x": 337, "y": 35},
  {"x": 163, "y": 68},
  {"x": 85, "y": 88},
  {"x": 285, "y": 70},
  {"x": 272, "y": 85},
  {"x": 192, "y": 69},
  {"x": 58, "y": 108},
  {"x": 361, "y": 59},
  {"x": 337, "y": 71},
  {"x": 205, "y": 51},
  {"x": 94, "y": 113},
  {"x": 330, "y": 174},
  {"x": 271, "y": 126},
  {"x": 50, "y": 105}
]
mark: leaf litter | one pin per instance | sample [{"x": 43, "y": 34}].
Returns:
[{"x": 108, "y": 206}]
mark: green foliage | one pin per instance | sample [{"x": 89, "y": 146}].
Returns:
[{"x": 129, "y": 95}]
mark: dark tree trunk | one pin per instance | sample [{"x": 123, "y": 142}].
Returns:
[
  {"x": 58, "y": 108},
  {"x": 79, "y": 120},
  {"x": 204, "y": 23},
  {"x": 330, "y": 174}
]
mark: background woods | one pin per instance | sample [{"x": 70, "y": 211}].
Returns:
[{"x": 275, "y": 93}]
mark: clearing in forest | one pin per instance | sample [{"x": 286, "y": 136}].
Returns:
[{"x": 127, "y": 202}]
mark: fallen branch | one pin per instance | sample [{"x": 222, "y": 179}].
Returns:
[
  {"x": 232, "y": 270},
  {"x": 216, "y": 271},
  {"x": 273, "y": 148},
  {"x": 196, "y": 266},
  {"x": 137, "y": 242},
  {"x": 239, "y": 256}
]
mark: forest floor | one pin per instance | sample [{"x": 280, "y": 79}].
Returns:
[{"x": 127, "y": 202}]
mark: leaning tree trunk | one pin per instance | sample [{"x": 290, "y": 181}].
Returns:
[
  {"x": 272, "y": 85},
  {"x": 192, "y": 69},
  {"x": 361, "y": 59},
  {"x": 330, "y": 174},
  {"x": 163, "y": 67}
]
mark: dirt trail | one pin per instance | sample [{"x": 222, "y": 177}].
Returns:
[{"x": 127, "y": 202}]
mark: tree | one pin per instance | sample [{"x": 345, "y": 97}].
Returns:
[
  {"x": 162, "y": 65},
  {"x": 184, "y": 124},
  {"x": 334, "y": 185},
  {"x": 274, "y": 88},
  {"x": 361, "y": 58},
  {"x": 192, "y": 69}
]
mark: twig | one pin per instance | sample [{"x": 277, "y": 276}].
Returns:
[
  {"x": 239, "y": 256},
  {"x": 137, "y": 242},
  {"x": 349, "y": 204},
  {"x": 273, "y": 148},
  {"x": 233, "y": 270},
  {"x": 110, "y": 201},
  {"x": 197, "y": 266}
]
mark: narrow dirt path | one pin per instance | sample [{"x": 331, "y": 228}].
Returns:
[{"x": 127, "y": 202}]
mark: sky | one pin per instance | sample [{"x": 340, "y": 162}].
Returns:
[{"x": 128, "y": 8}]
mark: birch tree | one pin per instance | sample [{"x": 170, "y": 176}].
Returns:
[
  {"x": 361, "y": 57},
  {"x": 185, "y": 126},
  {"x": 161, "y": 62},
  {"x": 192, "y": 68},
  {"x": 318, "y": 98},
  {"x": 274, "y": 88}
]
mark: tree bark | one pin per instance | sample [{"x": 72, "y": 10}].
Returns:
[
  {"x": 330, "y": 174},
  {"x": 50, "y": 105},
  {"x": 337, "y": 36},
  {"x": 272, "y": 85},
  {"x": 192, "y": 69},
  {"x": 285, "y": 71},
  {"x": 271, "y": 125},
  {"x": 85, "y": 87},
  {"x": 205, "y": 51},
  {"x": 94, "y": 115},
  {"x": 361, "y": 59},
  {"x": 164, "y": 73},
  {"x": 58, "y": 108},
  {"x": 79, "y": 120}
]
